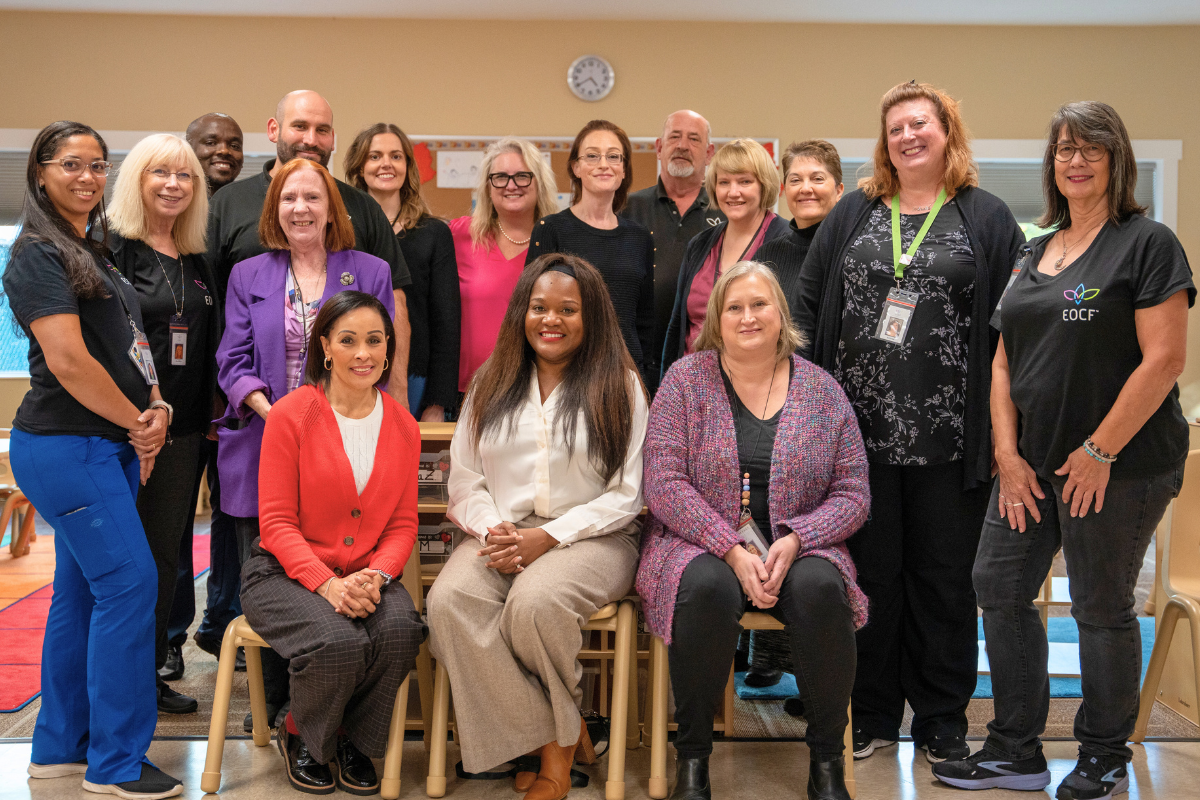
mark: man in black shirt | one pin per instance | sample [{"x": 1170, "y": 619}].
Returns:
[
  {"x": 674, "y": 210},
  {"x": 303, "y": 128},
  {"x": 217, "y": 140}
]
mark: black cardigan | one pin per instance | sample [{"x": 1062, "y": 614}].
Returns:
[
  {"x": 995, "y": 241},
  {"x": 785, "y": 256},
  {"x": 434, "y": 309},
  {"x": 675, "y": 344}
]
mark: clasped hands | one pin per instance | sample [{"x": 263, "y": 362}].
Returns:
[
  {"x": 761, "y": 580},
  {"x": 510, "y": 550},
  {"x": 355, "y": 595},
  {"x": 148, "y": 440}
]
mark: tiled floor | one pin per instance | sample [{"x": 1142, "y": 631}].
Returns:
[{"x": 742, "y": 770}]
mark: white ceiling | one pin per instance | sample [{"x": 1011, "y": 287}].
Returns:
[{"x": 958, "y": 12}]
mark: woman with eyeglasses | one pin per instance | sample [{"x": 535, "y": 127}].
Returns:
[
  {"x": 516, "y": 188},
  {"x": 86, "y": 434},
  {"x": 380, "y": 162},
  {"x": 158, "y": 217},
  {"x": 623, "y": 251}
]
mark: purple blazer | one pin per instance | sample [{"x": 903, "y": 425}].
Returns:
[
  {"x": 818, "y": 487},
  {"x": 251, "y": 355}
]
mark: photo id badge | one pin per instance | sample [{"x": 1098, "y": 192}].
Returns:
[
  {"x": 752, "y": 537},
  {"x": 897, "y": 314},
  {"x": 139, "y": 354},
  {"x": 179, "y": 330}
]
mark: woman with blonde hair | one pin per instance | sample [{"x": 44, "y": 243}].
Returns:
[
  {"x": 896, "y": 293},
  {"x": 742, "y": 181},
  {"x": 157, "y": 223},
  {"x": 516, "y": 188}
]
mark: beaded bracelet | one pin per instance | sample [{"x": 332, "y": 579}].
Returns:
[{"x": 1095, "y": 452}]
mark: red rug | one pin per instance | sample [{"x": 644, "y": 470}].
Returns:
[{"x": 22, "y": 627}]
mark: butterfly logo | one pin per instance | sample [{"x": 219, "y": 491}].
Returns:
[{"x": 1079, "y": 294}]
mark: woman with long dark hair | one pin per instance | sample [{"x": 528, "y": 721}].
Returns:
[
  {"x": 546, "y": 472},
  {"x": 86, "y": 433}
]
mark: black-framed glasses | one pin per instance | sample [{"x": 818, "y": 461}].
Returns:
[
  {"x": 165, "y": 174},
  {"x": 593, "y": 159},
  {"x": 500, "y": 180},
  {"x": 1090, "y": 152},
  {"x": 73, "y": 166}
]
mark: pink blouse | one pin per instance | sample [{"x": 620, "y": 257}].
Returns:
[
  {"x": 706, "y": 279},
  {"x": 486, "y": 280}
]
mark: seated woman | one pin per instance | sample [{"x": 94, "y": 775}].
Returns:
[
  {"x": 338, "y": 515},
  {"x": 744, "y": 407},
  {"x": 546, "y": 471}
]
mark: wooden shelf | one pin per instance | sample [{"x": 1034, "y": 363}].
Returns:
[
  {"x": 431, "y": 508},
  {"x": 437, "y": 431}
]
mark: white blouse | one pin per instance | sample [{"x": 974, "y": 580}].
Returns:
[
  {"x": 528, "y": 471},
  {"x": 359, "y": 437}
]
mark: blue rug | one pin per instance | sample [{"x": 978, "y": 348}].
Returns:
[{"x": 1060, "y": 629}]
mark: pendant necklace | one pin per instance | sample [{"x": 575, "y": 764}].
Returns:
[
  {"x": 303, "y": 305},
  {"x": 757, "y": 440},
  {"x": 504, "y": 233},
  {"x": 1058, "y": 265}
]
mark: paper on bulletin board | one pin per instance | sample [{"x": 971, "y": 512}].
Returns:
[{"x": 458, "y": 169}]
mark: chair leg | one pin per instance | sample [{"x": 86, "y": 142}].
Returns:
[
  {"x": 258, "y": 696},
  {"x": 435, "y": 782},
  {"x": 389, "y": 787},
  {"x": 425, "y": 690},
  {"x": 619, "y": 708},
  {"x": 849, "y": 753},
  {"x": 728, "y": 705},
  {"x": 210, "y": 779},
  {"x": 633, "y": 730},
  {"x": 659, "y": 686},
  {"x": 1158, "y": 659}
]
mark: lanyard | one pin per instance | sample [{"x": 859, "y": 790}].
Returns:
[{"x": 902, "y": 261}]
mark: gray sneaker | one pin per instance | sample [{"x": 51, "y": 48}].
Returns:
[
  {"x": 1095, "y": 778},
  {"x": 989, "y": 770}
]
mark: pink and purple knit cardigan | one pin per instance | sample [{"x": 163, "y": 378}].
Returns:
[{"x": 818, "y": 485}]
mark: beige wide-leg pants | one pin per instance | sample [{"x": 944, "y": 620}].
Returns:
[{"x": 510, "y": 643}]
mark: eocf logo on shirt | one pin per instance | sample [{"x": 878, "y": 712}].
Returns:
[{"x": 1077, "y": 296}]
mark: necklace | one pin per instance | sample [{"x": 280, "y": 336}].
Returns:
[
  {"x": 504, "y": 233},
  {"x": 397, "y": 217},
  {"x": 757, "y": 439},
  {"x": 182, "y": 285},
  {"x": 304, "y": 305},
  {"x": 1058, "y": 265}
]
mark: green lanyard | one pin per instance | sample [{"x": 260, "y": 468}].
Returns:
[{"x": 902, "y": 261}]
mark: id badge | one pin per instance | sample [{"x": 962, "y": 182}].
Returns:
[
  {"x": 752, "y": 537},
  {"x": 179, "y": 331},
  {"x": 897, "y": 315},
  {"x": 139, "y": 354}
]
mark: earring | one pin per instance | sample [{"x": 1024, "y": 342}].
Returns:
[
  {"x": 385, "y": 365},
  {"x": 328, "y": 363}
]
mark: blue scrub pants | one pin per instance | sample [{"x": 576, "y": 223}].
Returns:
[{"x": 98, "y": 694}]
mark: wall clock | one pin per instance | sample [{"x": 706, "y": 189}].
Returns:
[{"x": 590, "y": 78}]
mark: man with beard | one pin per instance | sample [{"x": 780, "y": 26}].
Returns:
[
  {"x": 217, "y": 140},
  {"x": 674, "y": 210}
]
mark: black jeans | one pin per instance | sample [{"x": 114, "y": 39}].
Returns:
[
  {"x": 1104, "y": 553},
  {"x": 914, "y": 558},
  {"x": 162, "y": 505},
  {"x": 276, "y": 684},
  {"x": 813, "y": 605}
]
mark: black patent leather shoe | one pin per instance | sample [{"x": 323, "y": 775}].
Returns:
[
  {"x": 827, "y": 780},
  {"x": 355, "y": 773},
  {"x": 304, "y": 773},
  {"x": 691, "y": 779},
  {"x": 172, "y": 670},
  {"x": 172, "y": 702}
]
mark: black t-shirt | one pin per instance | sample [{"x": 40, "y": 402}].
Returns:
[
  {"x": 910, "y": 398},
  {"x": 233, "y": 227},
  {"x": 756, "y": 443},
  {"x": 1072, "y": 344},
  {"x": 36, "y": 286},
  {"x": 156, "y": 277}
]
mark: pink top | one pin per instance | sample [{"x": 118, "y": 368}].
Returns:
[
  {"x": 486, "y": 280},
  {"x": 706, "y": 278}
]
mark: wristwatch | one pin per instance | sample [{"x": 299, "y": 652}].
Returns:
[
  {"x": 386, "y": 578},
  {"x": 170, "y": 409}
]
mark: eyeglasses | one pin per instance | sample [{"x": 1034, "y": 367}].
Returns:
[
  {"x": 1090, "y": 152},
  {"x": 500, "y": 180},
  {"x": 163, "y": 175},
  {"x": 593, "y": 159},
  {"x": 72, "y": 166}
]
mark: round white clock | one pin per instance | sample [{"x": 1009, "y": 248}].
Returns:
[{"x": 590, "y": 78}]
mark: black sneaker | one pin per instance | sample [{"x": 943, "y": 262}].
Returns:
[
  {"x": 172, "y": 670},
  {"x": 945, "y": 748},
  {"x": 1095, "y": 778},
  {"x": 865, "y": 744},
  {"x": 172, "y": 702},
  {"x": 988, "y": 770},
  {"x": 154, "y": 784}
]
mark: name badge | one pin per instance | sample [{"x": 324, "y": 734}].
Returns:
[
  {"x": 896, "y": 316},
  {"x": 139, "y": 354},
  {"x": 179, "y": 332}
]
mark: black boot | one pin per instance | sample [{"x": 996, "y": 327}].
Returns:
[
  {"x": 827, "y": 780},
  {"x": 691, "y": 779},
  {"x": 760, "y": 678}
]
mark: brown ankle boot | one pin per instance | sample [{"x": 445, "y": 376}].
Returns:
[
  {"x": 585, "y": 752},
  {"x": 524, "y": 777},
  {"x": 554, "y": 780}
]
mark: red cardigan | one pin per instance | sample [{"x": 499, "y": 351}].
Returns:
[{"x": 311, "y": 516}]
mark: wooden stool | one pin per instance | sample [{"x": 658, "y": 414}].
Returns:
[
  {"x": 17, "y": 508},
  {"x": 1181, "y": 587},
  {"x": 615, "y": 617},
  {"x": 656, "y": 711}
]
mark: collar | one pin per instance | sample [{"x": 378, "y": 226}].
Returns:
[{"x": 701, "y": 201}]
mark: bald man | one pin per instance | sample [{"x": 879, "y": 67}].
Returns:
[
  {"x": 217, "y": 140},
  {"x": 674, "y": 210}
]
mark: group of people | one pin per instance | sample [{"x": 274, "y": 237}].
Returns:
[{"x": 867, "y": 422}]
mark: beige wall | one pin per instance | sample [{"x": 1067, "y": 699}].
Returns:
[{"x": 482, "y": 77}]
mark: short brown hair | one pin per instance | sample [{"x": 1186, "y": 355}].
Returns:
[
  {"x": 412, "y": 204},
  {"x": 818, "y": 150},
  {"x": 745, "y": 155},
  {"x": 960, "y": 164},
  {"x": 1092, "y": 122},
  {"x": 790, "y": 338},
  {"x": 339, "y": 233},
  {"x": 626, "y": 152}
]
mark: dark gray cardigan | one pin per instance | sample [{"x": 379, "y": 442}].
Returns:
[{"x": 995, "y": 241}]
